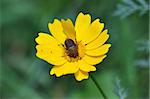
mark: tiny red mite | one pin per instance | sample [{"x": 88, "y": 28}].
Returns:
[{"x": 71, "y": 48}]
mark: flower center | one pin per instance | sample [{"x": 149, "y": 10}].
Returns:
[{"x": 74, "y": 50}]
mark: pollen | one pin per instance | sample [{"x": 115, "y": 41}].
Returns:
[{"x": 81, "y": 50}]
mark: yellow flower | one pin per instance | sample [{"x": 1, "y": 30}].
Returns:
[{"x": 73, "y": 49}]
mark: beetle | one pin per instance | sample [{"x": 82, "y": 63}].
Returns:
[{"x": 71, "y": 48}]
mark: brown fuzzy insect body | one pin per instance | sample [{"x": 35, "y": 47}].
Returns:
[{"x": 71, "y": 48}]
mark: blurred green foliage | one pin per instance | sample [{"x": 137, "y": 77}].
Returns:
[{"x": 24, "y": 76}]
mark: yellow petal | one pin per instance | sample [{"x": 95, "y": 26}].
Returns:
[
  {"x": 67, "y": 68},
  {"x": 85, "y": 31},
  {"x": 100, "y": 40},
  {"x": 46, "y": 39},
  {"x": 49, "y": 49},
  {"x": 57, "y": 70},
  {"x": 93, "y": 60},
  {"x": 81, "y": 25},
  {"x": 99, "y": 51},
  {"x": 80, "y": 75},
  {"x": 85, "y": 66},
  {"x": 53, "y": 55},
  {"x": 93, "y": 31},
  {"x": 56, "y": 30},
  {"x": 68, "y": 28}
]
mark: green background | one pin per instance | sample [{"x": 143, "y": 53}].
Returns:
[{"x": 122, "y": 75}]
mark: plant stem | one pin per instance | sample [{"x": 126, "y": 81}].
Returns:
[{"x": 98, "y": 87}]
